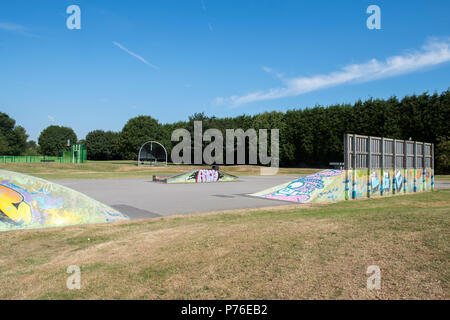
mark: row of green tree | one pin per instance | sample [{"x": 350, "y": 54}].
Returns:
[{"x": 308, "y": 137}]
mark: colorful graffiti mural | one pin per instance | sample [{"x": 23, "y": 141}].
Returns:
[
  {"x": 30, "y": 202},
  {"x": 319, "y": 187},
  {"x": 207, "y": 175},
  {"x": 386, "y": 187},
  {"x": 197, "y": 176},
  {"x": 13, "y": 208},
  {"x": 337, "y": 185}
]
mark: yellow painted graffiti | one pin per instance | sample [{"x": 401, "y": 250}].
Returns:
[{"x": 13, "y": 207}]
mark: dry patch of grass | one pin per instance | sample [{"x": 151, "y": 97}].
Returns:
[{"x": 293, "y": 252}]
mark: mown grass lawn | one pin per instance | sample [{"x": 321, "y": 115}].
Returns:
[
  {"x": 126, "y": 169},
  {"x": 292, "y": 252},
  {"x": 442, "y": 177}
]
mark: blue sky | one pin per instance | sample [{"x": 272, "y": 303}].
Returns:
[{"x": 169, "y": 59}]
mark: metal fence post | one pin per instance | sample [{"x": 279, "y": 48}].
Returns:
[
  {"x": 405, "y": 170},
  {"x": 369, "y": 165},
  {"x": 382, "y": 168},
  {"x": 354, "y": 168},
  {"x": 432, "y": 166},
  {"x": 423, "y": 166},
  {"x": 394, "y": 166},
  {"x": 346, "y": 165},
  {"x": 415, "y": 166}
]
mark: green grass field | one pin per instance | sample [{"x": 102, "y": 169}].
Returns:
[
  {"x": 125, "y": 169},
  {"x": 129, "y": 169},
  {"x": 292, "y": 252}
]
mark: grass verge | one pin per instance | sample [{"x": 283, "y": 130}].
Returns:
[{"x": 292, "y": 252}]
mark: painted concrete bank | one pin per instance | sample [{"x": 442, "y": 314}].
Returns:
[
  {"x": 30, "y": 202},
  {"x": 338, "y": 185}
]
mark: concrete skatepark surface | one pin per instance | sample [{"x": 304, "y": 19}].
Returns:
[{"x": 141, "y": 198}]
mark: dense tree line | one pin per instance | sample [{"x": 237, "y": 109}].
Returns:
[
  {"x": 308, "y": 137},
  {"x": 102, "y": 145},
  {"x": 314, "y": 136}
]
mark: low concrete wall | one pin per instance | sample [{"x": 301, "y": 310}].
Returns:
[
  {"x": 365, "y": 183},
  {"x": 339, "y": 185}
]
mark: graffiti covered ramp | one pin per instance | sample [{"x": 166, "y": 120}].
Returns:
[
  {"x": 323, "y": 186},
  {"x": 197, "y": 176},
  {"x": 29, "y": 202}
]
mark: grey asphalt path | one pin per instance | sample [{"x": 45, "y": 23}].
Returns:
[
  {"x": 442, "y": 184},
  {"x": 141, "y": 198}
]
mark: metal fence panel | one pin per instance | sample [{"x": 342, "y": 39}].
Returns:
[{"x": 366, "y": 152}]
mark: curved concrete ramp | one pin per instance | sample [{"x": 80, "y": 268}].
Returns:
[
  {"x": 323, "y": 186},
  {"x": 30, "y": 202}
]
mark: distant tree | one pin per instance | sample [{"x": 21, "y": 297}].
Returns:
[
  {"x": 135, "y": 132},
  {"x": 19, "y": 141},
  {"x": 102, "y": 145},
  {"x": 275, "y": 120},
  {"x": 53, "y": 140},
  {"x": 442, "y": 156},
  {"x": 12, "y": 138},
  {"x": 32, "y": 148},
  {"x": 4, "y": 146}
]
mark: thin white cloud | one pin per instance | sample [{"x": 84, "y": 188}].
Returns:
[
  {"x": 210, "y": 27},
  {"x": 7, "y": 26},
  {"x": 271, "y": 71},
  {"x": 431, "y": 54},
  {"x": 51, "y": 119},
  {"x": 17, "y": 28},
  {"x": 135, "y": 55}
]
